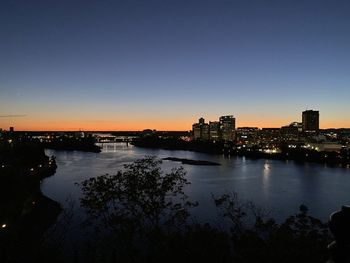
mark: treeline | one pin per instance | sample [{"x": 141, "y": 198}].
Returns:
[
  {"x": 178, "y": 144},
  {"x": 65, "y": 143}
]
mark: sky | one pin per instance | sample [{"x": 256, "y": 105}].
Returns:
[{"x": 162, "y": 64}]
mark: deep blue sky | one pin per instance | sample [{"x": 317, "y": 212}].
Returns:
[{"x": 162, "y": 64}]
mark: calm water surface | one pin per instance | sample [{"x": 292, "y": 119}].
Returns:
[{"x": 279, "y": 186}]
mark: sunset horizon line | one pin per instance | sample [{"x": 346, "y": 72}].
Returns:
[{"x": 140, "y": 130}]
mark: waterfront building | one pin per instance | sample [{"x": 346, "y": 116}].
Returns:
[
  {"x": 227, "y": 127},
  {"x": 224, "y": 129},
  {"x": 214, "y": 131},
  {"x": 270, "y": 134},
  {"x": 325, "y": 146},
  {"x": 247, "y": 135},
  {"x": 196, "y": 131},
  {"x": 291, "y": 131},
  {"x": 200, "y": 130},
  {"x": 247, "y": 131},
  {"x": 310, "y": 121},
  {"x": 205, "y": 132}
]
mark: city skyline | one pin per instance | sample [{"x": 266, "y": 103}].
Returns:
[{"x": 131, "y": 65}]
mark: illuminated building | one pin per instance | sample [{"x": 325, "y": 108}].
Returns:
[
  {"x": 270, "y": 134},
  {"x": 291, "y": 131},
  {"x": 200, "y": 130},
  {"x": 224, "y": 129},
  {"x": 227, "y": 127},
  {"x": 247, "y": 135},
  {"x": 311, "y": 121},
  {"x": 214, "y": 130}
]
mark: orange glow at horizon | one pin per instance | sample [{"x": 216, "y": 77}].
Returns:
[{"x": 183, "y": 124}]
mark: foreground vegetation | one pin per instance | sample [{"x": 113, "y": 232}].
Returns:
[
  {"x": 142, "y": 214},
  {"x": 25, "y": 214}
]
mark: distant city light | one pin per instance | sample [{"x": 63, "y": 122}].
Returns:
[
  {"x": 3, "y": 226},
  {"x": 272, "y": 151}
]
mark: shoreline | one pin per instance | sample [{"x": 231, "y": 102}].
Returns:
[
  {"x": 190, "y": 161},
  {"x": 331, "y": 159}
]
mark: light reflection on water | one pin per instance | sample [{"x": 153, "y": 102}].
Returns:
[{"x": 276, "y": 185}]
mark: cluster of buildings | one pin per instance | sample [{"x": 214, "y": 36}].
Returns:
[
  {"x": 307, "y": 132},
  {"x": 225, "y": 129},
  {"x": 222, "y": 130}
]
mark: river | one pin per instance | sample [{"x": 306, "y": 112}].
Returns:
[{"x": 278, "y": 186}]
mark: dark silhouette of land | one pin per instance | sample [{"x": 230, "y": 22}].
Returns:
[
  {"x": 64, "y": 143},
  {"x": 25, "y": 214},
  {"x": 190, "y": 162}
]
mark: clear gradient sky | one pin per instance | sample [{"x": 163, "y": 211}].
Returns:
[{"x": 136, "y": 64}]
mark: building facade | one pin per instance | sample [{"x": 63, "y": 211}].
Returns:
[
  {"x": 227, "y": 127},
  {"x": 292, "y": 131},
  {"x": 311, "y": 121},
  {"x": 214, "y": 131},
  {"x": 224, "y": 129},
  {"x": 200, "y": 130}
]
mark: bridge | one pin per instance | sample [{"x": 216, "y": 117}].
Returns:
[{"x": 109, "y": 138}]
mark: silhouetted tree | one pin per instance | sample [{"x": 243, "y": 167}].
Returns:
[
  {"x": 141, "y": 194},
  {"x": 257, "y": 238},
  {"x": 138, "y": 203}
]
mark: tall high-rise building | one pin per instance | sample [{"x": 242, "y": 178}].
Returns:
[
  {"x": 200, "y": 130},
  {"x": 196, "y": 131},
  {"x": 214, "y": 130},
  {"x": 205, "y": 132},
  {"x": 311, "y": 121},
  {"x": 227, "y": 127}
]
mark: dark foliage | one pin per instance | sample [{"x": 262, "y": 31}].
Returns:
[
  {"x": 141, "y": 196},
  {"x": 300, "y": 238},
  {"x": 136, "y": 203}
]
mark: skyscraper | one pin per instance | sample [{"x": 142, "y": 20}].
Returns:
[
  {"x": 227, "y": 127},
  {"x": 200, "y": 130},
  {"x": 214, "y": 130},
  {"x": 311, "y": 121}
]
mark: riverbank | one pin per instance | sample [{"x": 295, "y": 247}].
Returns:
[
  {"x": 190, "y": 162},
  {"x": 25, "y": 212},
  {"x": 177, "y": 144},
  {"x": 299, "y": 155}
]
